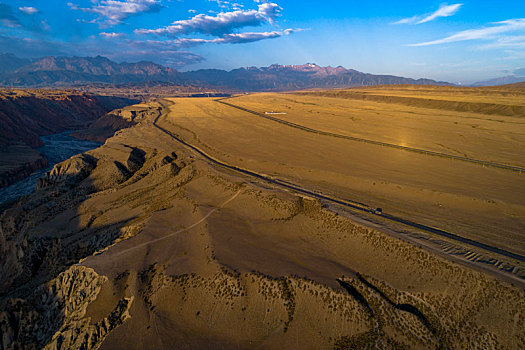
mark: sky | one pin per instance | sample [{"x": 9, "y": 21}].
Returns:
[{"x": 459, "y": 42}]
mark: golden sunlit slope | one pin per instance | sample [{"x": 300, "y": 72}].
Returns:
[
  {"x": 482, "y": 203},
  {"x": 146, "y": 242}
]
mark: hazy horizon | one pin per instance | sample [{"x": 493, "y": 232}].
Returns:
[{"x": 460, "y": 42}]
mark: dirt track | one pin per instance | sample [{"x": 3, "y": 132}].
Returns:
[{"x": 354, "y": 205}]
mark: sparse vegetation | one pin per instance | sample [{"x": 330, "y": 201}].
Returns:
[{"x": 196, "y": 254}]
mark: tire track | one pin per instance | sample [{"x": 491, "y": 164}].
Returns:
[{"x": 179, "y": 231}]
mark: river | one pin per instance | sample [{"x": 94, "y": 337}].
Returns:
[{"x": 56, "y": 148}]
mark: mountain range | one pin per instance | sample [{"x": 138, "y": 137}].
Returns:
[
  {"x": 67, "y": 71},
  {"x": 509, "y": 79},
  {"x": 74, "y": 71}
]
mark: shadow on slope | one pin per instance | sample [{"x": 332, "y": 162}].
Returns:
[{"x": 44, "y": 236}]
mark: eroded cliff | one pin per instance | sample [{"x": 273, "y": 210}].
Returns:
[
  {"x": 25, "y": 115},
  {"x": 141, "y": 243}
]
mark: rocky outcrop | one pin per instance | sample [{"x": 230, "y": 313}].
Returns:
[
  {"x": 44, "y": 293},
  {"x": 52, "y": 317},
  {"x": 105, "y": 126},
  {"x": 27, "y": 253},
  {"x": 80, "y": 334},
  {"x": 19, "y": 171},
  {"x": 71, "y": 171},
  {"x": 27, "y": 114}
]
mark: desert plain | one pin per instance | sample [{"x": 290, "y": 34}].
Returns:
[{"x": 175, "y": 237}]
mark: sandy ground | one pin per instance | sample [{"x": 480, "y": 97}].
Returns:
[
  {"x": 486, "y": 137},
  {"x": 481, "y": 203},
  {"x": 180, "y": 253}
]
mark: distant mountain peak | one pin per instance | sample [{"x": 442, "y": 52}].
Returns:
[
  {"x": 9, "y": 62},
  {"x": 64, "y": 71},
  {"x": 7, "y": 54},
  {"x": 278, "y": 77},
  {"x": 508, "y": 79},
  {"x": 293, "y": 66}
]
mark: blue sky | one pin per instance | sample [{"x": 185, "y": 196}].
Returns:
[{"x": 456, "y": 41}]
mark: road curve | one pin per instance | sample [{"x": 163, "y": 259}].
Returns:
[
  {"x": 344, "y": 202},
  {"x": 378, "y": 143}
]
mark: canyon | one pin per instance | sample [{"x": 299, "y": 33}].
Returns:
[
  {"x": 259, "y": 212},
  {"x": 28, "y": 114}
]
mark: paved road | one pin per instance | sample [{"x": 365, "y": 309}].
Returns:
[
  {"x": 344, "y": 202},
  {"x": 379, "y": 143}
]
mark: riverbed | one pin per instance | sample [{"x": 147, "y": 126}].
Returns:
[{"x": 56, "y": 149}]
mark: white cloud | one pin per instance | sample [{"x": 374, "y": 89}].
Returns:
[
  {"x": 409, "y": 20},
  {"x": 114, "y": 12},
  {"x": 28, "y": 10},
  {"x": 443, "y": 11},
  {"x": 10, "y": 18},
  {"x": 487, "y": 33},
  {"x": 506, "y": 41},
  {"x": 233, "y": 38},
  {"x": 111, "y": 35},
  {"x": 221, "y": 24},
  {"x": 237, "y": 6},
  {"x": 221, "y": 4},
  {"x": 163, "y": 52},
  {"x": 73, "y": 6}
]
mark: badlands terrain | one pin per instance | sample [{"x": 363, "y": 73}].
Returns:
[
  {"x": 254, "y": 222},
  {"x": 27, "y": 114}
]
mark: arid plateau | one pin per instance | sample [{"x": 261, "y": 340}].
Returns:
[{"x": 386, "y": 217}]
